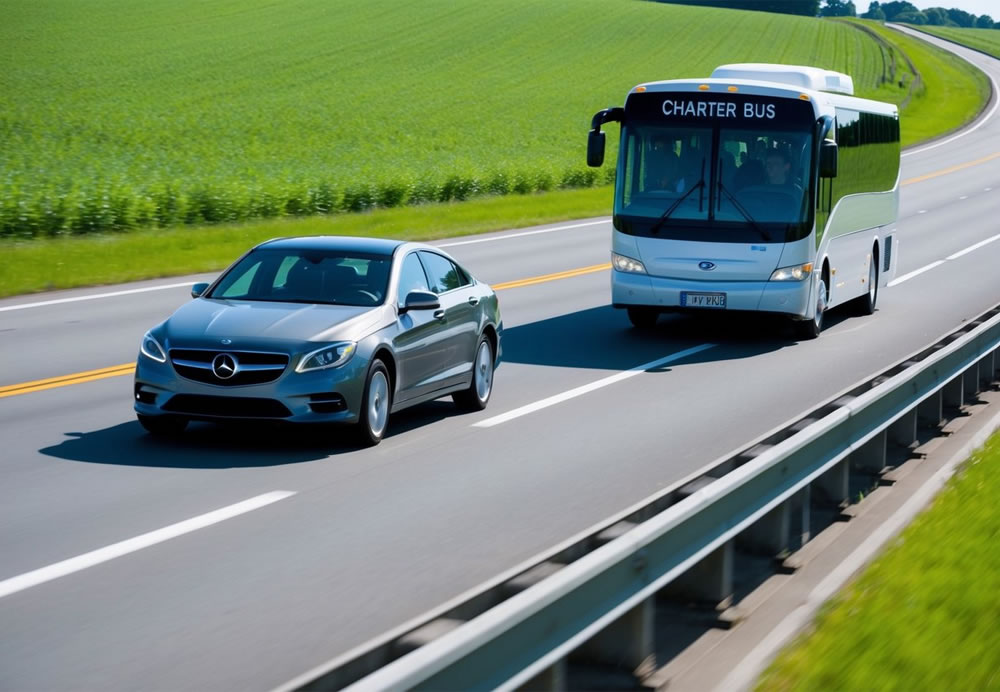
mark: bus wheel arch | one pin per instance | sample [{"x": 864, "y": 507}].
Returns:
[{"x": 865, "y": 304}]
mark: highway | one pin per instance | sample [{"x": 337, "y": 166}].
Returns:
[{"x": 106, "y": 583}]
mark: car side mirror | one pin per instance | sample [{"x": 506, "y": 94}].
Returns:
[
  {"x": 828, "y": 159},
  {"x": 595, "y": 148},
  {"x": 198, "y": 289},
  {"x": 420, "y": 300}
]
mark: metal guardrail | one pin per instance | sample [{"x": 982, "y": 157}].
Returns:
[{"x": 525, "y": 635}]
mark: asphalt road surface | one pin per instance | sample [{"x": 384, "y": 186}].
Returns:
[{"x": 127, "y": 562}]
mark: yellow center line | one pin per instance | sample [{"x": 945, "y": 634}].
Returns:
[
  {"x": 953, "y": 169},
  {"x": 129, "y": 368},
  {"x": 65, "y": 380},
  {"x": 553, "y": 277}
]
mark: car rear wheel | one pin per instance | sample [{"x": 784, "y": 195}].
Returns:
[
  {"x": 478, "y": 394},
  {"x": 375, "y": 405},
  {"x": 163, "y": 426}
]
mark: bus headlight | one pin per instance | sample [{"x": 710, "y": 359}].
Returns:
[
  {"x": 795, "y": 273},
  {"x": 627, "y": 264}
]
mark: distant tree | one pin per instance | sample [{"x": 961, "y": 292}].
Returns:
[
  {"x": 936, "y": 16},
  {"x": 839, "y": 8},
  {"x": 911, "y": 17},
  {"x": 985, "y": 22},
  {"x": 896, "y": 7},
  {"x": 874, "y": 12},
  {"x": 961, "y": 17}
]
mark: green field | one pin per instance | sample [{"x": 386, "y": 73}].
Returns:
[
  {"x": 133, "y": 113},
  {"x": 924, "y": 615},
  {"x": 986, "y": 40}
]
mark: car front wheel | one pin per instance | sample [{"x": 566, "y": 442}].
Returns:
[{"x": 375, "y": 405}]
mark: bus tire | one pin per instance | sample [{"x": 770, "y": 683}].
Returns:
[
  {"x": 865, "y": 305},
  {"x": 810, "y": 329},
  {"x": 643, "y": 317}
]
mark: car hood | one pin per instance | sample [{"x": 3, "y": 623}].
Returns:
[{"x": 244, "y": 323}]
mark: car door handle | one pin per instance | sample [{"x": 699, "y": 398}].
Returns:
[
  {"x": 439, "y": 314},
  {"x": 473, "y": 301}
]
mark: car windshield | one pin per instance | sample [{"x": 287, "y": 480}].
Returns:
[{"x": 333, "y": 277}]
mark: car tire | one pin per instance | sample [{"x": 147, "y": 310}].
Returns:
[
  {"x": 810, "y": 329},
  {"x": 643, "y": 317},
  {"x": 478, "y": 394},
  {"x": 163, "y": 426},
  {"x": 375, "y": 405}
]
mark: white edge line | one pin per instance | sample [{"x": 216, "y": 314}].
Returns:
[
  {"x": 915, "y": 272},
  {"x": 112, "y": 294},
  {"x": 973, "y": 247},
  {"x": 985, "y": 119},
  {"x": 521, "y": 235},
  {"x": 96, "y": 557},
  {"x": 745, "y": 673},
  {"x": 587, "y": 388}
]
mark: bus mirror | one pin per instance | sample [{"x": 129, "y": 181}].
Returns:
[
  {"x": 828, "y": 159},
  {"x": 595, "y": 149}
]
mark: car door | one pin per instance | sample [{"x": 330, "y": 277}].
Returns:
[
  {"x": 420, "y": 340},
  {"x": 459, "y": 300}
]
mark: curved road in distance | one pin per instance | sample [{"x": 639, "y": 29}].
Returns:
[{"x": 117, "y": 571}]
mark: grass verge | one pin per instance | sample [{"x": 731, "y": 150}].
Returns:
[
  {"x": 923, "y": 616},
  {"x": 985, "y": 40},
  {"x": 54, "y": 263}
]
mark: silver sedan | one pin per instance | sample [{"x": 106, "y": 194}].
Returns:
[{"x": 322, "y": 330}]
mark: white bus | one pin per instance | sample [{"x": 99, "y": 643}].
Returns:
[{"x": 764, "y": 188}]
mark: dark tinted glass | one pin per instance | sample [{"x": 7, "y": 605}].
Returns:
[
  {"x": 307, "y": 276},
  {"x": 442, "y": 273},
  {"x": 411, "y": 277}
]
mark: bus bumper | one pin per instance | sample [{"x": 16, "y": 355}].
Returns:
[{"x": 785, "y": 297}]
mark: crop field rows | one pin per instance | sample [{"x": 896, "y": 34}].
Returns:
[{"x": 123, "y": 114}]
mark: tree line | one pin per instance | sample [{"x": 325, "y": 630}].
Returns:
[{"x": 895, "y": 11}]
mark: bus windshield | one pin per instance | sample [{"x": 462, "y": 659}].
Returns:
[{"x": 751, "y": 181}]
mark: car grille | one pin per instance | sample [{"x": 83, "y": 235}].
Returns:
[
  {"x": 252, "y": 367},
  {"x": 226, "y": 406}
]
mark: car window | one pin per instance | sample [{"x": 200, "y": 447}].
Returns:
[
  {"x": 411, "y": 277},
  {"x": 240, "y": 286},
  {"x": 443, "y": 275}
]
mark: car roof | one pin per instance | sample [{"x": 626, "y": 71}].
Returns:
[{"x": 377, "y": 246}]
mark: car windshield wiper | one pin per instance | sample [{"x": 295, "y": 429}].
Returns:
[
  {"x": 740, "y": 208},
  {"x": 700, "y": 185}
]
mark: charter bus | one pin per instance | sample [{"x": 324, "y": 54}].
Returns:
[{"x": 766, "y": 188}]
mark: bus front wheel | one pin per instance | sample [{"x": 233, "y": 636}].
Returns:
[
  {"x": 643, "y": 317},
  {"x": 810, "y": 329}
]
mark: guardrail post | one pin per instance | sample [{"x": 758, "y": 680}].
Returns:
[
  {"x": 625, "y": 643},
  {"x": 971, "y": 382},
  {"x": 709, "y": 581},
  {"x": 769, "y": 534},
  {"x": 833, "y": 486},
  {"x": 930, "y": 411},
  {"x": 871, "y": 455},
  {"x": 954, "y": 393},
  {"x": 552, "y": 679},
  {"x": 904, "y": 431}
]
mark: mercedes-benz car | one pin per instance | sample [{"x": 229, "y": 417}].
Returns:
[{"x": 322, "y": 330}]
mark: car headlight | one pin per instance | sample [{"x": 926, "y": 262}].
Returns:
[
  {"x": 327, "y": 357},
  {"x": 627, "y": 264},
  {"x": 151, "y": 348},
  {"x": 796, "y": 273}
]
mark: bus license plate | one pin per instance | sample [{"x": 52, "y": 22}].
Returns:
[{"x": 703, "y": 300}]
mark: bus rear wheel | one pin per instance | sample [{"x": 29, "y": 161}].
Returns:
[
  {"x": 865, "y": 305},
  {"x": 643, "y": 317}
]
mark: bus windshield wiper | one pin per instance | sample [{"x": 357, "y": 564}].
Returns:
[
  {"x": 742, "y": 210},
  {"x": 700, "y": 185}
]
